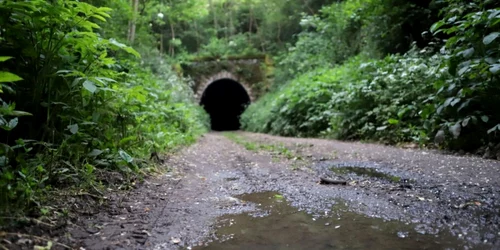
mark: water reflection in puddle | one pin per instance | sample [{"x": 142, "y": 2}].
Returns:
[{"x": 281, "y": 226}]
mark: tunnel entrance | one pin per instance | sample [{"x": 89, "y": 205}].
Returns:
[{"x": 225, "y": 100}]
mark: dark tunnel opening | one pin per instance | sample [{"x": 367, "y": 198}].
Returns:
[{"x": 225, "y": 100}]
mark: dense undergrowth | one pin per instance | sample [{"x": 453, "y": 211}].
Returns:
[
  {"x": 77, "y": 103},
  {"x": 343, "y": 78}
]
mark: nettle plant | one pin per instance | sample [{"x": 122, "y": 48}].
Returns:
[
  {"x": 64, "y": 77},
  {"x": 469, "y": 101}
]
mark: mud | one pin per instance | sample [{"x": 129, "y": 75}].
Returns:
[{"x": 453, "y": 198}]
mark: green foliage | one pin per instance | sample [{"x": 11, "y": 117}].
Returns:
[
  {"x": 236, "y": 45},
  {"x": 470, "y": 101},
  {"x": 300, "y": 108},
  {"x": 392, "y": 101},
  {"x": 411, "y": 97},
  {"x": 359, "y": 100},
  {"x": 95, "y": 108}
]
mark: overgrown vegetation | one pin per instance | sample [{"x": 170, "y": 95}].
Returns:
[
  {"x": 93, "y": 87},
  {"x": 372, "y": 70},
  {"x": 78, "y": 104}
]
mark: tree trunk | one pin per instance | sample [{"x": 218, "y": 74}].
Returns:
[
  {"x": 131, "y": 2},
  {"x": 171, "y": 45},
  {"x": 132, "y": 26}
]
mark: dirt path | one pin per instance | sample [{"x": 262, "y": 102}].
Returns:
[{"x": 179, "y": 209}]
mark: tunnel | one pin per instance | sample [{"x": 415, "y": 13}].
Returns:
[{"x": 225, "y": 100}]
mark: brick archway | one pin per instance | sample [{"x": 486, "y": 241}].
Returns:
[{"x": 205, "y": 82}]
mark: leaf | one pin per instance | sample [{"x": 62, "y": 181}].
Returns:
[
  {"x": 13, "y": 123},
  {"x": 497, "y": 127},
  {"x": 73, "y": 128},
  {"x": 5, "y": 58},
  {"x": 463, "y": 70},
  {"x": 393, "y": 121},
  {"x": 381, "y": 128},
  {"x": 448, "y": 101},
  {"x": 463, "y": 105},
  {"x": 495, "y": 68},
  {"x": 90, "y": 86},
  {"x": 490, "y": 38},
  {"x": 467, "y": 53},
  {"x": 455, "y": 130},
  {"x": 485, "y": 118},
  {"x": 455, "y": 101},
  {"x": 465, "y": 122},
  {"x": 126, "y": 157},
  {"x": 124, "y": 47},
  {"x": 436, "y": 26},
  {"x": 95, "y": 152},
  {"x": 20, "y": 113},
  {"x": 9, "y": 77},
  {"x": 494, "y": 14}
]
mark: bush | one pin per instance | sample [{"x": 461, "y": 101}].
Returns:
[
  {"x": 358, "y": 100},
  {"x": 301, "y": 107},
  {"x": 90, "y": 106}
]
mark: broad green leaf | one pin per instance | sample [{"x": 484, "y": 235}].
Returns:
[
  {"x": 393, "y": 121},
  {"x": 13, "y": 123},
  {"x": 497, "y": 127},
  {"x": 495, "y": 68},
  {"x": 494, "y": 14},
  {"x": 95, "y": 152},
  {"x": 467, "y": 53},
  {"x": 20, "y": 113},
  {"x": 90, "y": 86},
  {"x": 485, "y": 118},
  {"x": 455, "y": 101},
  {"x": 437, "y": 25},
  {"x": 126, "y": 157},
  {"x": 448, "y": 101},
  {"x": 9, "y": 77},
  {"x": 73, "y": 128},
  {"x": 455, "y": 130},
  {"x": 465, "y": 122},
  {"x": 463, "y": 70},
  {"x": 490, "y": 38},
  {"x": 124, "y": 47},
  {"x": 5, "y": 58}
]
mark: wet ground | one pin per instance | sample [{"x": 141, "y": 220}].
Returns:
[
  {"x": 252, "y": 191},
  {"x": 277, "y": 225}
]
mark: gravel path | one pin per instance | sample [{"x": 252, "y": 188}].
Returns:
[{"x": 179, "y": 209}]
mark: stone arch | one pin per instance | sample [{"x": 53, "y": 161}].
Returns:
[{"x": 205, "y": 82}]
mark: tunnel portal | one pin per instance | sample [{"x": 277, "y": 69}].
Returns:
[{"x": 225, "y": 100}]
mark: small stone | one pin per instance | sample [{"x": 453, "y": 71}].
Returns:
[
  {"x": 403, "y": 235},
  {"x": 327, "y": 224},
  {"x": 175, "y": 240}
]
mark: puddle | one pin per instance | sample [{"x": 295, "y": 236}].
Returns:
[
  {"x": 281, "y": 226},
  {"x": 368, "y": 172},
  {"x": 358, "y": 169}
]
